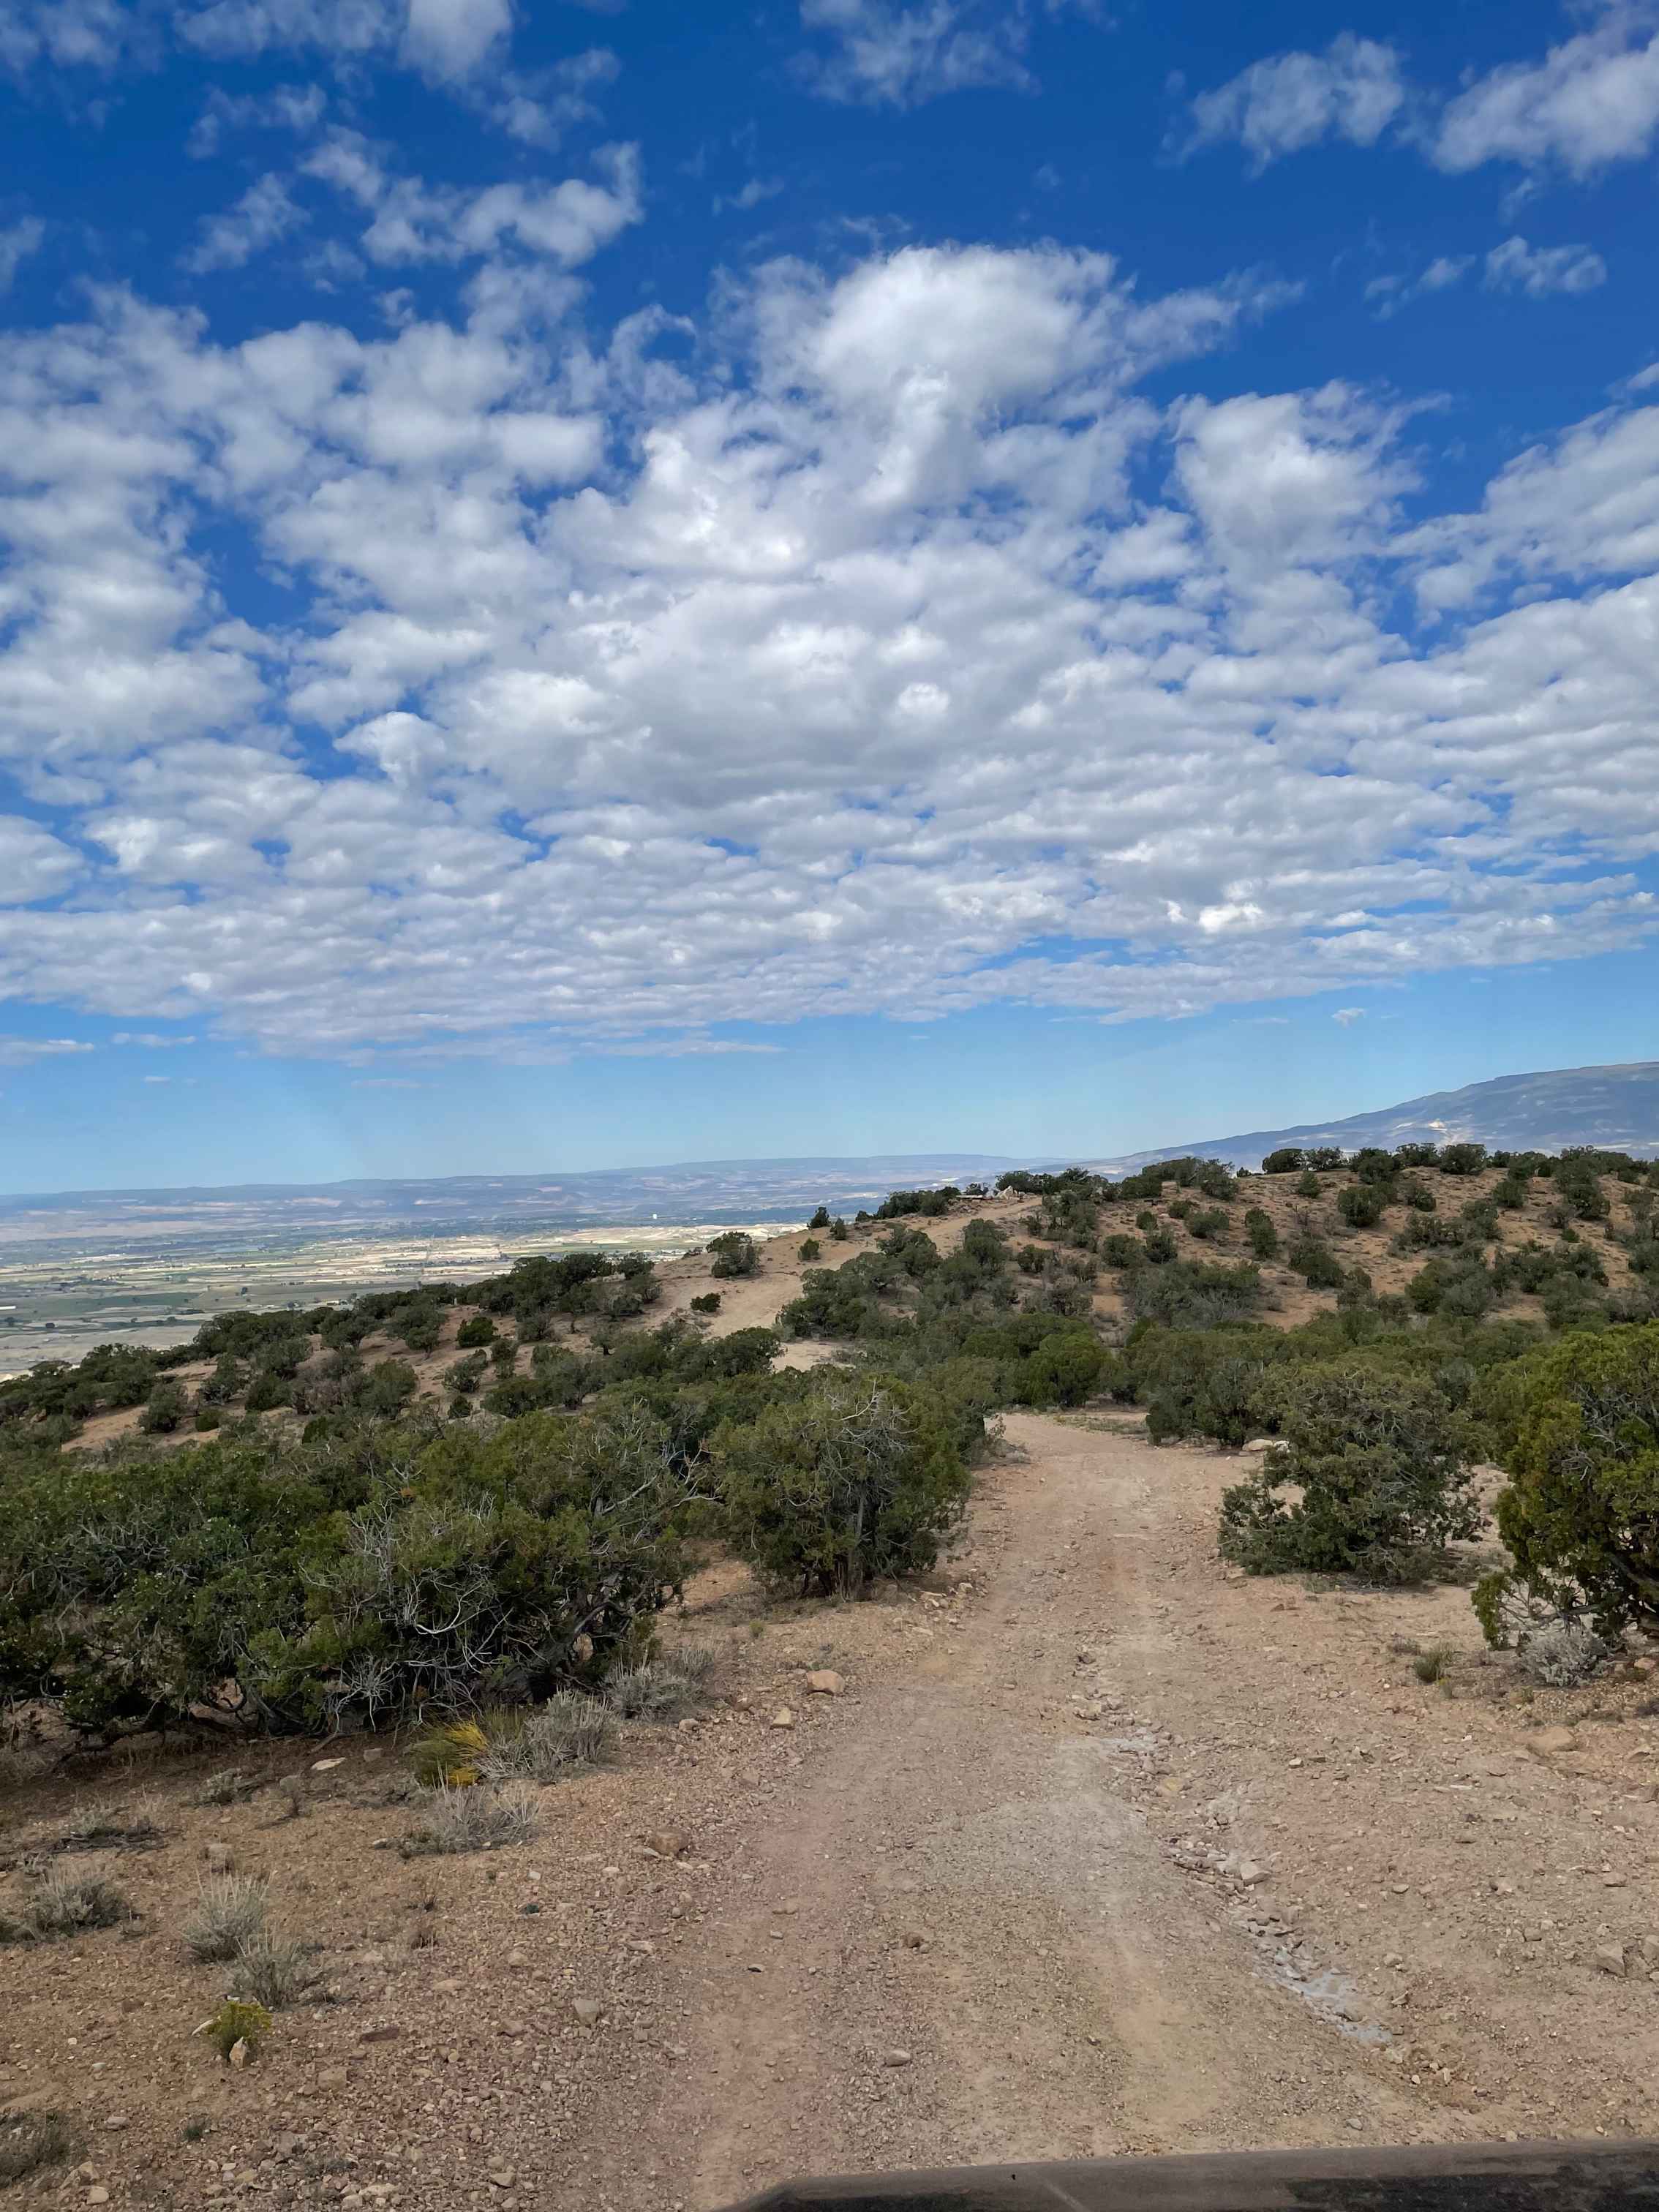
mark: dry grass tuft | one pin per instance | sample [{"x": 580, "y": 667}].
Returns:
[
  {"x": 465, "y": 1818},
  {"x": 32, "y": 2143},
  {"x": 662, "y": 1689},
  {"x": 66, "y": 1903},
  {"x": 229, "y": 1913}
]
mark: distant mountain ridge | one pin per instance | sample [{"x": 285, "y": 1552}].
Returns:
[{"x": 1616, "y": 1107}]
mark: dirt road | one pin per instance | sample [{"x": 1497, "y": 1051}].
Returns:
[
  {"x": 1100, "y": 1847},
  {"x": 960, "y": 1935}
]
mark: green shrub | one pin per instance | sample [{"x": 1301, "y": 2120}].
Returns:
[
  {"x": 360, "y": 1576},
  {"x": 1209, "y": 1223},
  {"x": 1578, "y": 1434},
  {"x": 1263, "y": 1236},
  {"x": 1463, "y": 1159},
  {"x": 164, "y": 1410},
  {"x": 1187, "y": 1294},
  {"x": 709, "y": 1303},
  {"x": 1362, "y": 1205},
  {"x": 476, "y": 1333},
  {"x": 1063, "y": 1370},
  {"x": 809, "y": 1249},
  {"x": 1381, "y": 1464},
  {"x": 734, "y": 1253},
  {"x": 856, "y": 1477},
  {"x": 237, "y": 2020},
  {"x": 1312, "y": 1258}
]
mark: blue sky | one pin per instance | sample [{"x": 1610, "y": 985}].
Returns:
[{"x": 589, "y": 584}]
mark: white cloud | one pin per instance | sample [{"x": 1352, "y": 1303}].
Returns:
[
  {"x": 151, "y": 1041},
  {"x": 1591, "y": 101},
  {"x": 751, "y": 195},
  {"x": 826, "y": 655},
  {"x": 243, "y": 27},
  {"x": 21, "y": 1052},
  {"x": 885, "y": 53},
  {"x": 565, "y": 223},
  {"x": 449, "y": 39},
  {"x": 67, "y": 34},
  {"x": 33, "y": 864},
  {"x": 1389, "y": 293},
  {"x": 1353, "y": 90},
  {"x": 265, "y": 212},
  {"x": 17, "y": 241},
  {"x": 1347, "y": 1016},
  {"x": 1542, "y": 270},
  {"x": 156, "y": 1078}
]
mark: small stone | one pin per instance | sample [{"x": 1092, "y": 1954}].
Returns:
[
  {"x": 783, "y": 1718},
  {"x": 387, "y": 2034},
  {"x": 240, "y": 2056},
  {"x": 118, "y": 2120},
  {"x": 896, "y": 2058},
  {"x": 1609, "y": 1959},
  {"x": 326, "y": 1765},
  {"x": 1551, "y": 1740},
  {"x": 219, "y": 1857},
  {"x": 824, "y": 1682},
  {"x": 333, "y": 2077},
  {"x": 1644, "y": 1665},
  {"x": 98, "y": 2196},
  {"x": 1614, "y": 1881},
  {"x": 667, "y": 1843},
  {"x": 1249, "y": 1873},
  {"x": 588, "y": 2011}
]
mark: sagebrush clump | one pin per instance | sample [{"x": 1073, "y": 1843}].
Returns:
[
  {"x": 63, "y": 1902},
  {"x": 458, "y": 1818}
]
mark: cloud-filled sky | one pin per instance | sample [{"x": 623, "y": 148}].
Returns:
[{"x": 545, "y": 537}]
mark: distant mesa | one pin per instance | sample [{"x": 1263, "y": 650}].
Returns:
[{"x": 1616, "y": 1108}]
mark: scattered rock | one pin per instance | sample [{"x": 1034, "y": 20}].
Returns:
[
  {"x": 783, "y": 1717},
  {"x": 98, "y": 2196},
  {"x": 219, "y": 1857},
  {"x": 326, "y": 1765},
  {"x": 118, "y": 2120},
  {"x": 1257, "y": 1445},
  {"x": 667, "y": 1843},
  {"x": 824, "y": 1682},
  {"x": 333, "y": 2077},
  {"x": 1551, "y": 1740},
  {"x": 1609, "y": 1959},
  {"x": 896, "y": 2058},
  {"x": 387, "y": 2034},
  {"x": 240, "y": 2056},
  {"x": 588, "y": 2011},
  {"x": 1250, "y": 1872}
]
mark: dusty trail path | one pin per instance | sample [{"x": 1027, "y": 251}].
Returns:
[{"x": 957, "y": 1937}]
